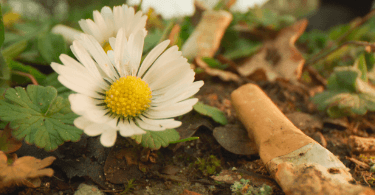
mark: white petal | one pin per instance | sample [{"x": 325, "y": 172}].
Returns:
[
  {"x": 147, "y": 126},
  {"x": 135, "y": 48},
  {"x": 171, "y": 111},
  {"x": 180, "y": 94},
  {"x": 99, "y": 21},
  {"x": 80, "y": 103},
  {"x": 166, "y": 123},
  {"x": 108, "y": 138},
  {"x": 83, "y": 56},
  {"x": 97, "y": 114},
  {"x": 137, "y": 130},
  {"x": 183, "y": 81},
  {"x": 151, "y": 57},
  {"x": 171, "y": 76},
  {"x": 126, "y": 129},
  {"x": 96, "y": 129},
  {"x": 81, "y": 122},
  {"x": 77, "y": 88}
]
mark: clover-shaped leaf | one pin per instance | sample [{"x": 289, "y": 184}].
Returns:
[
  {"x": 213, "y": 112},
  {"x": 23, "y": 171},
  {"x": 155, "y": 139},
  {"x": 349, "y": 92},
  {"x": 39, "y": 116}
]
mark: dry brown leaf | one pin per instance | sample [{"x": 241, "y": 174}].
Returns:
[
  {"x": 173, "y": 35},
  {"x": 23, "y": 171},
  {"x": 7, "y": 143},
  {"x": 222, "y": 74},
  {"x": 278, "y": 57}
]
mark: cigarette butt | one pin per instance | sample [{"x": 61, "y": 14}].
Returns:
[
  {"x": 206, "y": 38},
  {"x": 273, "y": 133},
  {"x": 299, "y": 164}
]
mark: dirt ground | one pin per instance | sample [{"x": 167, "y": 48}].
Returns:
[{"x": 129, "y": 169}]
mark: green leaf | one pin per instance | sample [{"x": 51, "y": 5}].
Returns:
[
  {"x": 39, "y": 116},
  {"x": 152, "y": 39},
  {"x": 213, "y": 112},
  {"x": 15, "y": 49},
  {"x": 40, "y": 77},
  {"x": 213, "y": 63},
  {"x": 2, "y": 37},
  {"x": 347, "y": 95},
  {"x": 361, "y": 65},
  {"x": 155, "y": 139},
  {"x": 343, "y": 79},
  {"x": 51, "y": 46},
  {"x": 370, "y": 60},
  {"x": 51, "y": 80}
]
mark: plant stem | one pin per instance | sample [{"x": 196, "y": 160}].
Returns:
[
  {"x": 31, "y": 77},
  {"x": 356, "y": 43}
]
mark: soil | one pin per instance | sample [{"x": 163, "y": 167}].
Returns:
[{"x": 129, "y": 169}]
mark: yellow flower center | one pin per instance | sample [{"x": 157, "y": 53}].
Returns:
[
  {"x": 107, "y": 47},
  {"x": 129, "y": 96}
]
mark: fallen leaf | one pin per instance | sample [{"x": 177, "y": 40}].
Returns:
[
  {"x": 7, "y": 143},
  {"x": 191, "y": 122},
  {"x": 235, "y": 139},
  {"x": 23, "y": 171},
  {"x": 187, "y": 192},
  {"x": 278, "y": 57},
  {"x": 222, "y": 74},
  {"x": 304, "y": 121}
]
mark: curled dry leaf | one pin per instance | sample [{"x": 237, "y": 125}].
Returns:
[
  {"x": 278, "y": 57},
  {"x": 23, "y": 171},
  {"x": 235, "y": 139},
  {"x": 222, "y": 74},
  {"x": 7, "y": 143}
]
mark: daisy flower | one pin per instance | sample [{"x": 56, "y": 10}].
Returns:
[
  {"x": 106, "y": 23},
  {"x": 167, "y": 8},
  {"x": 116, "y": 92}
]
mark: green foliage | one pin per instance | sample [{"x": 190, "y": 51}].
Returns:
[
  {"x": 129, "y": 187},
  {"x": 51, "y": 46},
  {"x": 2, "y": 37},
  {"x": 208, "y": 166},
  {"x": 51, "y": 80},
  {"x": 213, "y": 112},
  {"x": 314, "y": 40},
  {"x": 40, "y": 77},
  {"x": 4, "y": 69},
  {"x": 213, "y": 63},
  {"x": 39, "y": 116},
  {"x": 244, "y": 187},
  {"x": 348, "y": 92},
  {"x": 155, "y": 139},
  {"x": 257, "y": 17}
]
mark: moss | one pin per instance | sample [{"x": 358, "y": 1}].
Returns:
[
  {"x": 245, "y": 187},
  {"x": 208, "y": 166}
]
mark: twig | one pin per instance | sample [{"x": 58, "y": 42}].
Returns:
[
  {"x": 356, "y": 43},
  {"x": 357, "y": 162},
  {"x": 167, "y": 30},
  {"x": 356, "y": 25},
  {"x": 31, "y": 77}
]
